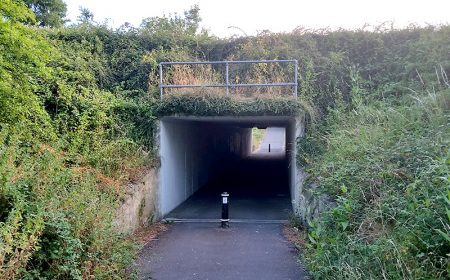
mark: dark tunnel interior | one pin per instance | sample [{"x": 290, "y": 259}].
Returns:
[{"x": 217, "y": 157}]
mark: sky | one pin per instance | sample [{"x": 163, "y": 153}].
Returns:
[{"x": 239, "y": 17}]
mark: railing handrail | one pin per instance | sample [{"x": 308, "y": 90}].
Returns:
[
  {"x": 227, "y": 85},
  {"x": 226, "y": 61}
]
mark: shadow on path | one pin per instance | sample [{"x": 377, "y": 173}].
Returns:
[{"x": 258, "y": 189}]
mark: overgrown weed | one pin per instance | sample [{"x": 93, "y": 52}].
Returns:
[{"x": 386, "y": 166}]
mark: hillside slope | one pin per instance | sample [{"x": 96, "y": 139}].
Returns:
[{"x": 387, "y": 167}]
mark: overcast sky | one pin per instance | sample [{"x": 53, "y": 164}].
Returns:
[{"x": 275, "y": 15}]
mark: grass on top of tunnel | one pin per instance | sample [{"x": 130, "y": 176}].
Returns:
[{"x": 220, "y": 105}]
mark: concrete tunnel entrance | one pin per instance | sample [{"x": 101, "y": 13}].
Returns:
[{"x": 201, "y": 157}]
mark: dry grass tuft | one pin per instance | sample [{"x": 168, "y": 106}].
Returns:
[
  {"x": 150, "y": 233},
  {"x": 295, "y": 235}
]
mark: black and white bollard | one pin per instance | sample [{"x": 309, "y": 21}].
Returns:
[{"x": 225, "y": 220}]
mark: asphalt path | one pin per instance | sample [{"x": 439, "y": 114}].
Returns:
[
  {"x": 253, "y": 247},
  {"x": 275, "y": 138},
  {"x": 206, "y": 251}
]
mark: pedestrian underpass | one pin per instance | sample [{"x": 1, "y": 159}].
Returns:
[{"x": 201, "y": 157}]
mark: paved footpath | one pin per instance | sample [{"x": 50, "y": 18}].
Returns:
[
  {"x": 205, "y": 251},
  {"x": 275, "y": 137}
]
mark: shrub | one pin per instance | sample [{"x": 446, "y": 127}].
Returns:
[{"x": 388, "y": 168}]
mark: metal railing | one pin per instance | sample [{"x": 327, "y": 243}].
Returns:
[{"x": 227, "y": 83}]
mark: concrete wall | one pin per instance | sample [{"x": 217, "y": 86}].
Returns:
[
  {"x": 294, "y": 131},
  {"x": 140, "y": 204},
  {"x": 306, "y": 202},
  {"x": 191, "y": 154}
]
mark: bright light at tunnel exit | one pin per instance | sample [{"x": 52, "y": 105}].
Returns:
[{"x": 268, "y": 141}]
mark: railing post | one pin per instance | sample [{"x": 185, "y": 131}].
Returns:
[
  {"x": 296, "y": 78},
  {"x": 226, "y": 77},
  {"x": 161, "y": 81}
]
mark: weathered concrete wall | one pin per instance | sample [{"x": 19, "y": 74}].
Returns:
[
  {"x": 307, "y": 202},
  {"x": 140, "y": 204},
  {"x": 312, "y": 203},
  {"x": 294, "y": 132}
]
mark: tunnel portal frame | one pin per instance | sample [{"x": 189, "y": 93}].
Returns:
[{"x": 180, "y": 175}]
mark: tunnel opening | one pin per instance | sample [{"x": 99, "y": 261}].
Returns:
[
  {"x": 201, "y": 157},
  {"x": 257, "y": 137}
]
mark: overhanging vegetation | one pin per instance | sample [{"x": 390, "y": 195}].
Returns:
[{"x": 220, "y": 105}]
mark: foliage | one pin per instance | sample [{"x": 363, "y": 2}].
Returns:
[
  {"x": 388, "y": 62},
  {"x": 63, "y": 159},
  {"x": 380, "y": 148},
  {"x": 86, "y": 16},
  {"x": 49, "y": 13},
  {"x": 58, "y": 219},
  {"x": 77, "y": 112},
  {"x": 257, "y": 137},
  {"x": 387, "y": 167},
  {"x": 166, "y": 27},
  {"x": 22, "y": 67},
  {"x": 68, "y": 145},
  {"x": 220, "y": 105}
]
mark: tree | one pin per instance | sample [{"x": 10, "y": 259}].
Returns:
[
  {"x": 192, "y": 19},
  {"x": 171, "y": 25},
  {"x": 86, "y": 16},
  {"x": 49, "y": 13},
  {"x": 15, "y": 12},
  {"x": 23, "y": 60}
]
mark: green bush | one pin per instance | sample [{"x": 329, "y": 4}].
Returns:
[
  {"x": 63, "y": 160},
  {"x": 58, "y": 220},
  {"x": 388, "y": 169}
]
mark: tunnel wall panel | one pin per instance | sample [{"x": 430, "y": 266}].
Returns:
[{"x": 192, "y": 154}]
